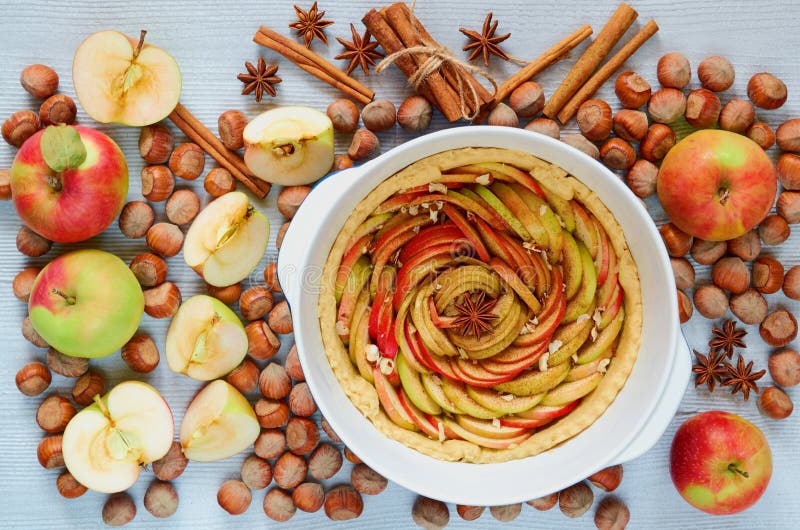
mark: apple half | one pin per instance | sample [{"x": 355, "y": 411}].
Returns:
[
  {"x": 218, "y": 423},
  {"x": 106, "y": 444},
  {"x": 205, "y": 339},
  {"x": 226, "y": 240},
  {"x": 289, "y": 146}
]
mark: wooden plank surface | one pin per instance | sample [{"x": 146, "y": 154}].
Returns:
[{"x": 211, "y": 40}]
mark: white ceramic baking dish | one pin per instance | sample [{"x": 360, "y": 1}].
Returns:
[{"x": 631, "y": 425}]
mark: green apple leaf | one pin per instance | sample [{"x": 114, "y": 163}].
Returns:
[{"x": 62, "y": 147}]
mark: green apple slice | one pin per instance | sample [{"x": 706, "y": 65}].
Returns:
[
  {"x": 456, "y": 391},
  {"x": 488, "y": 428},
  {"x": 433, "y": 386},
  {"x": 391, "y": 402},
  {"x": 412, "y": 384},
  {"x": 205, "y": 339},
  {"x": 502, "y": 210},
  {"x": 603, "y": 341},
  {"x": 218, "y": 423},
  {"x": 584, "y": 298},
  {"x": 561, "y": 206},
  {"x": 105, "y": 444},
  {"x": 534, "y": 381},
  {"x": 572, "y": 265},
  {"x": 568, "y": 392},
  {"x": 551, "y": 223},
  {"x": 226, "y": 240},
  {"x": 503, "y": 403}
]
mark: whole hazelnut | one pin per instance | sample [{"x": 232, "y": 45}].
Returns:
[
  {"x": 506, "y": 513},
  {"x": 33, "y": 379},
  {"x": 767, "y": 274},
  {"x": 150, "y": 270},
  {"x": 791, "y": 283},
  {"x": 673, "y": 70},
  {"x": 343, "y": 113},
  {"x": 88, "y": 386},
  {"x": 618, "y": 154},
  {"x": 165, "y": 239},
  {"x": 364, "y": 145},
  {"x": 157, "y": 183},
  {"x": 779, "y": 328},
  {"x": 161, "y": 499},
  {"x": 788, "y": 206},
  {"x": 711, "y": 301},
  {"x": 762, "y": 134},
  {"x": 707, "y": 252},
  {"x": 575, "y": 500},
  {"x": 271, "y": 277},
  {"x": 341, "y": 161},
  {"x": 630, "y": 125},
  {"x": 141, "y": 354},
  {"x": 302, "y": 435},
  {"x": 788, "y": 168},
  {"x": 119, "y": 509},
  {"x": 301, "y": 402},
  {"x": 57, "y": 109},
  {"x": 292, "y": 365},
  {"x": 228, "y": 295},
  {"x": 230, "y": 126},
  {"x": 32, "y": 244},
  {"x": 611, "y": 514},
  {"x": 581, "y": 143},
  {"x": 774, "y": 230},
  {"x": 731, "y": 274},
  {"x": 632, "y": 90},
  {"x": 32, "y": 336},
  {"x": 683, "y": 272},
  {"x": 255, "y": 302},
  {"x": 775, "y": 404},
  {"x": 5, "y": 184},
  {"x": 22, "y": 283},
  {"x": 182, "y": 207},
  {"x": 162, "y": 301},
  {"x": 666, "y": 105},
  {"x": 430, "y": 513},
  {"x": 594, "y": 119},
  {"x": 607, "y": 479},
  {"x": 218, "y": 182},
  {"x": 290, "y": 198},
  {"x": 171, "y": 465},
  {"x": 54, "y": 414},
  {"x": 544, "y": 503},
  {"x": 766, "y": 91},
  {"x": 234, "y": 497},
  {"x": 49, "y": 451},
  {"x": 244, "y": 377},
  {"x": 325, "y": 461},
  {"x": 788, "y": 136},
  {"x": 135, "y": 219},
  {"x": 784, "y": 368},
  {"x": 414, "y": 114},
  {"x": 676, "y": 240},
  {"x": 716, "y": 73},
  {"x": 503, "y": 116},
  {"x": 642, "y": 178},
  {"x": 527, "y": 99},
  {"x": 685, "y": 308},
  {"x": 278, "y": 505},
  {"x": 39, "y": 80},
  {"x": 281, "y": 234},
  {"x": 469, "y": 513},
  {"x": 280, "y": 318},
  {"x": 256, "y": 472},
  {"x": 155, "y": 143},
  {"x": 737, "y": 116},
  {"x": 544, "y": 126},
  {"x": 289, "y": 470},
  {"x": 187, "y": 161},
  {"x": 271, "y": 443},
  {"x": 19, "y": 127},
  {"x": 747, "y": 246},
  {"x": 750, "y": 306},
  {"x": 66, "y": 365},
  {"x": 657, "y": 142},
  {"x": 367, "y": 481},
  {"x": 308, "y": 496},
  {"x": 379, "y": 115},
  {"x": 702, "y": 108},
  {"x": 262, "y": 342},
  {"x": 273, "y": 382},
  {"x": 68, "y": 486}
]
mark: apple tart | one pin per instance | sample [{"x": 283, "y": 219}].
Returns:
[{"x": 481, "y": 305}]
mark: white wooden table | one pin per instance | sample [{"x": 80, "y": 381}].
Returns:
[{"x": 211, "y": 40}]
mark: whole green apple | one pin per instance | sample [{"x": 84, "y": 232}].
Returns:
[
  {"x": 86, "y": 303},
  {"x": 716, "y": 185},
  {"x": 720, "y": 462},
  {"x": 69, "y": 183}
]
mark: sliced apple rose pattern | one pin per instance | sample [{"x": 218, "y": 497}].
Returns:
[{"x": 484, "y": 296}]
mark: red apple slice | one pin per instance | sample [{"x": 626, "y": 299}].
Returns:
[
  {"x": 516, "y": 421},
  {"x": 417, "y": 416},
  {"x": 542, "y": 412},
  {"x": 391, "y": 402},
  {"x": 511, "y": 278},
  {"x": 384, "y": 291},
  {"x": 507, "y": 173},
  {"x": 396, "y": 202},
  {"x": 372, "y": 225},
  {"x": 493, "y": 241},
  {"x": 585, "y": 230},
  {"x": 601, "y": 261},
  {"x": 429, "y": 237},
  {"x": 571, "y": 392},
  {"x": 352, "y": 289},
  {"x": 348, "y": 260},
  {"x": 491, "y": 443},
  {"x": 489, "y": 429},
  {"x": 549, "y": 220},
  {"x": 418, "y": 267},
  {"x": 453, "y": 182},
  {"x": 473, "y": 374},
  {"x": 387, "y": 244},
  {"x": 467, "y": 198},
  {"x": 461, "y": 221},
  {"x": 522, "y": 263},
  {"x": 517, "y": 206}
]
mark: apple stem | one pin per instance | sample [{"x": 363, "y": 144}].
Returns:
[
  {"x": 69, "y": 299},
  {"x": 723, "y": 197},
  {"x": 732, "y": 467},
  {"x": 141, "y": 43},
  {"x": 54, "y": 181}
]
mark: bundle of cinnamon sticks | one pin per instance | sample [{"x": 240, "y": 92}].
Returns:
[{"x": 396, "y": 28}]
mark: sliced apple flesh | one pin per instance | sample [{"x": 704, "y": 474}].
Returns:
[
  {"x": 226, "y": 240},
  {"x": 106, "y": 444},
  {"x": 218, "y": 423},
  {"x": 205, "y": 339}
]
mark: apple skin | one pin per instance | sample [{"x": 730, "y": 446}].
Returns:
[
  {"x": 704, "y": 165},
  {"x": 91, "y": 195},
  {"x": 108, "y": 303},
  {"x": 702, "y": 451}
]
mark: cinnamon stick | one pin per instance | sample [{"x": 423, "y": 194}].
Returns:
[
  {"x": 608, "y": 37},
  {"x": 379, "y": 28},
  {"x": 313, "y": 64},
  {"x": 606, "y": 71},
  {"x": 554, "y": 54},
  {"x": 208, "y": 142}
]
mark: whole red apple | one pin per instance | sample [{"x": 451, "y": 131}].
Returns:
[
  {"x": 69, "y": 183},
  {"x": 716, "y": 185},
  {"x": 720, "y": 462}
]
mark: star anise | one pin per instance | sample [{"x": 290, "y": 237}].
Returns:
[
  {"x": 359, "y": 52},
  {"x": 727, "y": 338},
  {"x": 709, "y": 369},
  {"x": 486, "y": 42},
  {"x": 475, "y": 314},
  {"x": 742, "y": 378},
  {"x": 259, "y": 79},
  {"x": 310, "y": 24}
]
